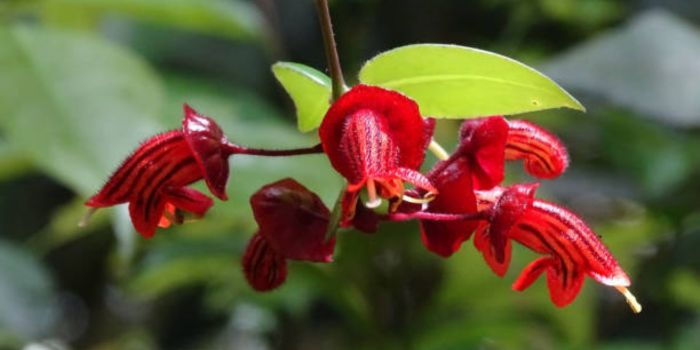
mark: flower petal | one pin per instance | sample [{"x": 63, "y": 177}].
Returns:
[
  {"x": 145, "y": 213},
  {"x": 563, "y": 284},
  {"x": 364, "y": 219},
  {"x": 482, "y": 243},
  {"x": 455, "y": 196},
  {"x": 188, "y": 199},
  {"x": 531, "y": 273},
  {"x": 400, "y": 120},
  {"x": 544, "y": 155},
  {"x": 483, "y": 142},
  {"x": 509, "y": 208},
  {"x": 414, "y": 178},
  {"x": 206, "y": 141},
  {"x": 366, "y": 147},
  {"x": 349, "y": 203},
  {"x": 264, "y": 268},
  {"x": 550, "y": 229},
  {"x": 293, "y": 221},
  {"x": 152, "y": 157}
]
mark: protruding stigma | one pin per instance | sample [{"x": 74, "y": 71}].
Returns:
[
  {"x": 86, "y": 218},
  {"x": 631, "y": 300}
]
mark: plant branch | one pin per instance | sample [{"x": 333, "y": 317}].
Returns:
[
  {"x": 235, "y": 149},
  {"x": 332, "y": 58},
  {"x": 422, "y": 215}
]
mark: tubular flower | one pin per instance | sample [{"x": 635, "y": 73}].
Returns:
[
  {"x": 544, "y": 155},
  {"x": 153, "y": 178},
  {"x": 376, "y": 138},
  {"x": 572, "y": 250},
  {"x": 292, "y": 224},
  {"x": 482, "y": 145},
  {"x": 477, "y": 164}
]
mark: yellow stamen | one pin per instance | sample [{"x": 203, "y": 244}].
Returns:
[
  {"x": 631, "y": 300},
  {"x": 415, "y": 200},
  {"x": 86, "y": 218},
  {"x": 373, "y": 201}
]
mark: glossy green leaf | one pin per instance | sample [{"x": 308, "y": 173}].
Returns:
[
  {"x": 234, "y": 19},
  {"x": 451, "y": 81},
  {"x": 309, "y": 89},
  {"x": 75, "y": 105}
]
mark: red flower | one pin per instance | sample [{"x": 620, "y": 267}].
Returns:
[
  {"x": 482, "y": 145},
  {"x": 376, "y": 138},
  {"x": 477, "y": 164},
  {"x": 292, "y": 224},
  {"x": 456, "y": 196},
  {"x": 572, "y": 250},
  {"x": 153, "y": 178},
  {"x": 506, "y": 207},
  {"x": 544, "y": 155}
]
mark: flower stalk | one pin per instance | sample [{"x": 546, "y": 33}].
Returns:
[{"x": 334, "y": 68}]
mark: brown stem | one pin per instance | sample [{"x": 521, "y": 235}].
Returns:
[
  {"x": 235, "y": 149},
  {"x": 334, "y": 68},
  {"x": 421, "y": 215}
]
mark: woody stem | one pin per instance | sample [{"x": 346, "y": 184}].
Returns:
[
  {"x": 336, "y": 72},
  {"x": 236, "y": 149}
]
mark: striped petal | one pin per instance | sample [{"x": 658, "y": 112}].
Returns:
[
  {"x": 263, "y": 267},
  {"x": 543, "y": 154},
  {"x": 573, "y": 250}
]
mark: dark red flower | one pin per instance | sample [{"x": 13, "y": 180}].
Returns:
[
  {"x": 376, "y": 138},
  {"x": 572, "y": 250},
  {"x": 506, "y": 205},
  {"x": 482, "y": 146},
  {"x": 153, "y": 178},
  {"x": 456, "y": 196},
  {"x": 292, "y": 225}
]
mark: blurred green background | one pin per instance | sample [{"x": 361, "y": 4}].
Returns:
[{"x": 83, "y": 81}]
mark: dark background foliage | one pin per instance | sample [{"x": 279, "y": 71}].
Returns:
[{"x": 82, "y": 82}]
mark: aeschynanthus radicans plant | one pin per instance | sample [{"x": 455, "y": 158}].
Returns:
[{"x": 376, "y": 138}]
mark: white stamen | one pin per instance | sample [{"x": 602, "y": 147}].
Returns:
[
  {"x": 373, "y": 201},
  {"x": 86, "y": 218}
]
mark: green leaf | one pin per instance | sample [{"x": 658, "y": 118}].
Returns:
[
  {"x": 309, "y": 89},
  {"x": 12, "y": 162},
  {"x": 648, "y": 65},
  {"x": 27, "y": 300},
  {"x": 74, "y": 104},
  {"x": 228, "y": 18},
  {"x": 176, "y": 261},
  {"x": 449, "y": 81}
]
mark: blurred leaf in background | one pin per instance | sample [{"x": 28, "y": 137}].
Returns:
[{"x": 82, "y": 82}]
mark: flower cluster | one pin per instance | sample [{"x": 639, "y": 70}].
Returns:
[{"x": 377, "y": 139}]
